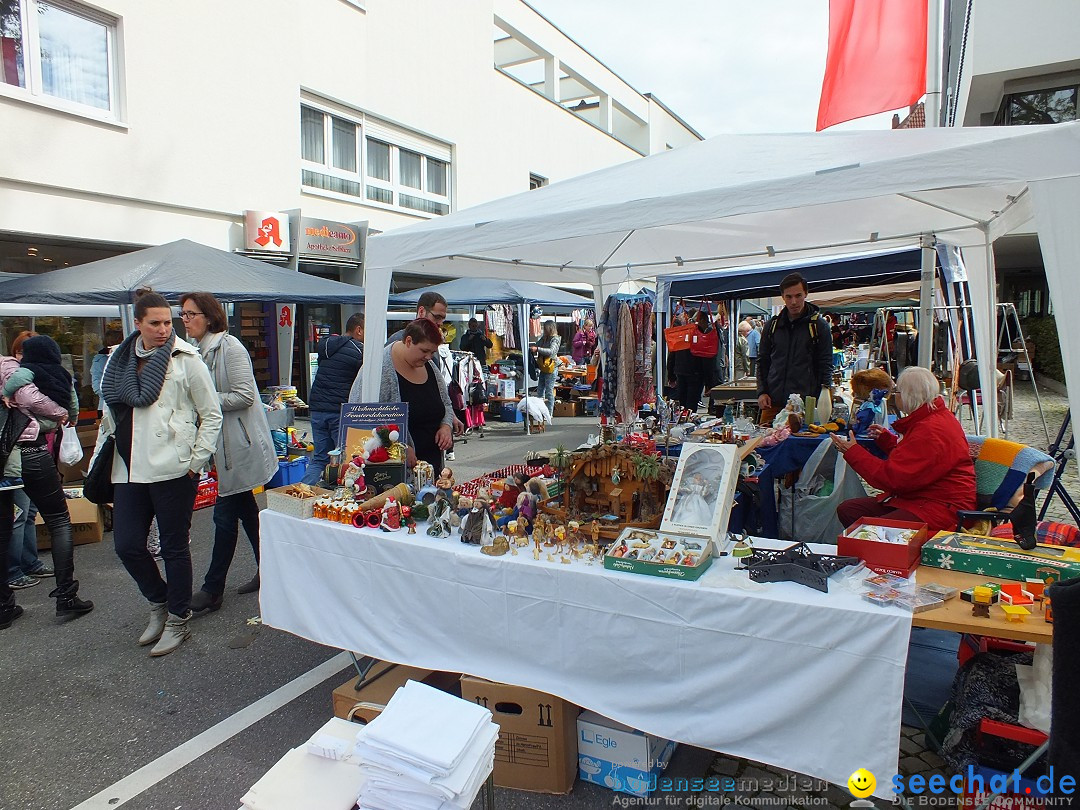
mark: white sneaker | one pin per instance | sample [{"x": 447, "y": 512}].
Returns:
[{"x": 450, "y": 455}]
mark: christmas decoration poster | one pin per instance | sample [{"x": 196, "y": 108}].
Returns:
[{"x": 359, "y": 421}]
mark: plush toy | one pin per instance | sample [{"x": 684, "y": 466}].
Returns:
[{"x": 870, "y": 411}]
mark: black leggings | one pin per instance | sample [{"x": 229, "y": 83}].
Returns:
[{"x": 41, "y": 482}]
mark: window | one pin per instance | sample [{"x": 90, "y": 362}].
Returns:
[
  {"x": 536, "y": 181},
  {"x": 329, "y": 148},
  {"x": 61, "y": 51},
  {"x": 396, "y": 167},
  {"x": 397, "y": 175},
  {"x": 1039, "y": 107}
]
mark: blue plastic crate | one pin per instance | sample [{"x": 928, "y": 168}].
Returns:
[
  {"x": 510, "y": 413},
  {"x": 290, "y": 471}
]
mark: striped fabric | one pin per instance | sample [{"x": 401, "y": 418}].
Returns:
[{"x": 1001, "y": 467}]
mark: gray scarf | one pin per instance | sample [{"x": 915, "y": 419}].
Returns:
[{"x": 123, "y": 382}]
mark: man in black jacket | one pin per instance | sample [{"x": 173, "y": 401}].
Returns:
[
  {"x": 340, "y": 359},
  {"x": 795, "y": 353},
  {"x": 474, "y": 340}
]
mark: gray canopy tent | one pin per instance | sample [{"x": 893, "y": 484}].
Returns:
[
  {"x": 173, "y": 269},
  {"x": 485, "y": 291}
]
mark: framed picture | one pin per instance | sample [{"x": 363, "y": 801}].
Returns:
[{"x": 702, "y": 491}]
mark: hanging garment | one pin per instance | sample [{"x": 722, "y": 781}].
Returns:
[
  {"x": 607, "y": 329},
  {"x": 644, "y": 384},
  {"x": 496, "y": 319},
  {"x": 624, "y": 397}
]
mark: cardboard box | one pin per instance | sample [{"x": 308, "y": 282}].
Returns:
[
  {"x": 900, "y": 559},
  {"x": 379, "y": 688},
  {"x": 537, "y": 745},
  {"x": 87, "y": 524},
  {"x": 618, "y": 757},
  {"x": 999, "y": 557},
  {"x": 567, "y": 409},
  {"x": 701, "y": 549},
  {"x": 506, "y": 389}
]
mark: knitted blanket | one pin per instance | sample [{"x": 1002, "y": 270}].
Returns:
[{"x": 1001, "y": 467}]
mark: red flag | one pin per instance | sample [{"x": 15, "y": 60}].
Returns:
[{"x": 876, "y": 61}]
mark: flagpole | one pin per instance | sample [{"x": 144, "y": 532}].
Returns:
[{"x": 931, "y": 113}]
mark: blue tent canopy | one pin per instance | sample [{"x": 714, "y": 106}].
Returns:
[
  {"x": 484, "y": 291},
  {"x": 822, "y": 275}
]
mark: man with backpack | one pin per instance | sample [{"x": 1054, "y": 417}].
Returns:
[{"x": 795, "y": 352}]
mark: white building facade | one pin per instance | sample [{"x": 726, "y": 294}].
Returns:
[
  {"x": 1012, "y": 64},
  {"x": 127, "y": 123}
]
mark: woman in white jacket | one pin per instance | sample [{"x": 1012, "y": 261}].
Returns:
[
  {"x": 245, "y": 457},
  {"x": 160, "y": 404}
]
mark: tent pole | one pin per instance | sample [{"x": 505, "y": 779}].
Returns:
[
  {"x": 523, "y": 318},
  {"x": 376, "y": 292},
  {"x": 127, "y": 318},
  {"x": 926, "y": 301}
]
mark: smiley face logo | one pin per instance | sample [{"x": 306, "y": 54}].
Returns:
[{"x": 861, "y": 783}]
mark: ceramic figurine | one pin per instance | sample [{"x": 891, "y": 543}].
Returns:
[
  {"x": 439, "y": 521},
  {"x": 391, "y": 516},
  {"x": 445, "y": 483},
  {"x": 536, "y": 554},
  {"x": 478, "y": 524}
]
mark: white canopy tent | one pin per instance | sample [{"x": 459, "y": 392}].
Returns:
[{"x": 736, "y": 200}]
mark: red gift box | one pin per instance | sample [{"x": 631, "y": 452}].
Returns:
[{"x": 900, "y": 559}]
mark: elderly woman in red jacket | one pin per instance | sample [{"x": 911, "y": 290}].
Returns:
[{"x": 928, "y": 475}]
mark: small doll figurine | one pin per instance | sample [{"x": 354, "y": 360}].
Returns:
[
  {"x": 594, "y": 532},
  {"x": 870, "y": 412},
  {"x": 391, "y": 516},
  {"x": 445, "y": 482},
  {"x": 514, "y": 485},
  {"x": 353, "y": 475},
  {"x": 478, "y": 524}
]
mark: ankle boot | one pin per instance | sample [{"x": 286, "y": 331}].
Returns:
[
  {"x": 9, "y": 612},
  {"x": 176, "y": 633},
  {"x": 203, "y": 602},
  {"x": 251, "y": 586},
  {"x": 68, "y": 602},
  {"x": 159, "y": 612}
]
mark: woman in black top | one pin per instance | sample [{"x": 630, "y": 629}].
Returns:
[{"x": 409, "y": 375}]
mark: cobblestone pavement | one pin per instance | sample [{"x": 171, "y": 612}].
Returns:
[{"x": 764, "y": 786}]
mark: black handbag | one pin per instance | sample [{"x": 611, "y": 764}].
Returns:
[{"x": 97, "y": 485}]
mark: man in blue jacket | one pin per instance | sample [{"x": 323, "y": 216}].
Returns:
[{"x": 340, "y": 359}]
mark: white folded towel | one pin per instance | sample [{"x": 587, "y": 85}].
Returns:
[{"x": 426, "y": 727}]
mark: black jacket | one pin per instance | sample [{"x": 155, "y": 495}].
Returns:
[
  {"x": 794, "y": 357},
  {"x": 477, "y": 343},
  {"x": 340, "y": 358}
]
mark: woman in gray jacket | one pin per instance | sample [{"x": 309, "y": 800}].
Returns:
[{"x": 245, "y": 457}]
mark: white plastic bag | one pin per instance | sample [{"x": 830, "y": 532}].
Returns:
[
  {"x": 1035, "y": 689},
  {"x": 70, "y": 449},
  {"x": 813, "y": 518}
]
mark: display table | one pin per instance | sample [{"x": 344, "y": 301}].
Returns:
[{"x": 768, "y": 674}]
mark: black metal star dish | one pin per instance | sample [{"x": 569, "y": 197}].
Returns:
[{"x": 796, "y": 563}]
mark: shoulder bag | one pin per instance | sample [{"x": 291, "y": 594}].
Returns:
[{"x": 97, "y": 484}]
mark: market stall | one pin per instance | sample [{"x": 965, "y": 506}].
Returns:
[
  {"x": 515, "y": 296},
  {"x": 734, "y": 200}
]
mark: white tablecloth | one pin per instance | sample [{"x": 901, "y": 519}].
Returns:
[{"x": 789, "y": 676}]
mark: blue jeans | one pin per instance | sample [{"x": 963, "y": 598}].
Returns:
[
  {"x": 229, "y": 512},
  {"x": 23, "y": 557},
  {"x": 545, "y": 389},
  {"x": 324, "y": 432}
]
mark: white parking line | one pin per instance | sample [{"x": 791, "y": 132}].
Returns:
[{"x": 169, "y": 763}]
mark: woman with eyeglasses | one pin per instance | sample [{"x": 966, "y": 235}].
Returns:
[
  {"x": 245, "y": 457},
  {"x": 161, "y": 408}
]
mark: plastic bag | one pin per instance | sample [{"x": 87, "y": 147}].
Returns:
[
  {"x": 71, "y": 451},
  {"x": 811, "y": 518}
]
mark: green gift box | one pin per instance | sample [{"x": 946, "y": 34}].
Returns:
[{"x": 999, "y": 557}]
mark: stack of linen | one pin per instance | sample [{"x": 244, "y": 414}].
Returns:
[{"x": 427, "y": 750}]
